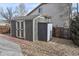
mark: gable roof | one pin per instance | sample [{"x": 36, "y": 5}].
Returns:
[{"x": 36, "y": 8}]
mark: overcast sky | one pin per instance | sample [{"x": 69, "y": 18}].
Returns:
[{"x": 29, "y": 6}]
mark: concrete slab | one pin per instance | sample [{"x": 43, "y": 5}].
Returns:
[{"x": 9, "y": 48}]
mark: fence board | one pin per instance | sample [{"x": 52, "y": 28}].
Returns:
[
  {"x": 4, "y": 29},
  {"x": 61, "y": 32}
]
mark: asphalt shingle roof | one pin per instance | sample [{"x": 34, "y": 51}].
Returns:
[{"x": 25, "y": 17}]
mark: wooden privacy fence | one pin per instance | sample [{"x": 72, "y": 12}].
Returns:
[
  {"x": 61, "y": 32},
  {"x": 4, "y": 29}
]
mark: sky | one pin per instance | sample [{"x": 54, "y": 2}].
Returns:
[{"x": 29, "y": 6}]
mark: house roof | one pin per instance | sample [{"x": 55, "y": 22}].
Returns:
[
  {"x": 36, "y": 8},
  {"x": 25, "y": 17}
]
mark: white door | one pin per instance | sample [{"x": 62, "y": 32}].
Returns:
[
  {"x": 49, "y": 31},
  {"x": 20, "y": 29}
]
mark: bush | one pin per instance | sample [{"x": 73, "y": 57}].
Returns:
[{"x": 74, "y": 29}]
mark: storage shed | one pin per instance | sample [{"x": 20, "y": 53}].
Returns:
[{"x": 31, "y": 27}]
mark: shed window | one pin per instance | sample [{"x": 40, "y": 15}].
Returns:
[
  {"x": 22, "y": 25},
  {"x": 18, "y": 25},
  {"x": 22, "y": 33},
  {"x": 18, "y": 33}
]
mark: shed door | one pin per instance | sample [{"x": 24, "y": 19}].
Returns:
[
  {"x": 42, "y": 31},
  {"x": 20, "y": 29}
]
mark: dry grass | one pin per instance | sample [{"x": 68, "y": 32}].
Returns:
[{"x": 56, "y": 47}]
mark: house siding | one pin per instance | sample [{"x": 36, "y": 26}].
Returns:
[
  {"x": 29, "y": 30},
  {"x": 36, "y": 12},
  {"x": 58, "y": 11}
]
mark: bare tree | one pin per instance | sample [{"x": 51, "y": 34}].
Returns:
[
  {"x": 21, "y": 10},
  {"x": 7, "y": 14}
]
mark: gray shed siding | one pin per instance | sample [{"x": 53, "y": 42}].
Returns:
[
  {"x": 13, "y": 28},
  {"x": 29, "y": 30}
]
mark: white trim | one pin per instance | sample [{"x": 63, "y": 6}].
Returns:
[
  {"x": 33, "y": 29},
  {"x": 49, "y": 31},
  {"x": 24, "y": 29},
  {"x": 19, "y": 30},
  {"x": 16, "y": 30},
  {"x": 37, "y": 19}
]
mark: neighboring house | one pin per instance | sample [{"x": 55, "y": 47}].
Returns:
[
  {"x": 59, "y": 12},
  {"x": 35, "y": 25}
]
